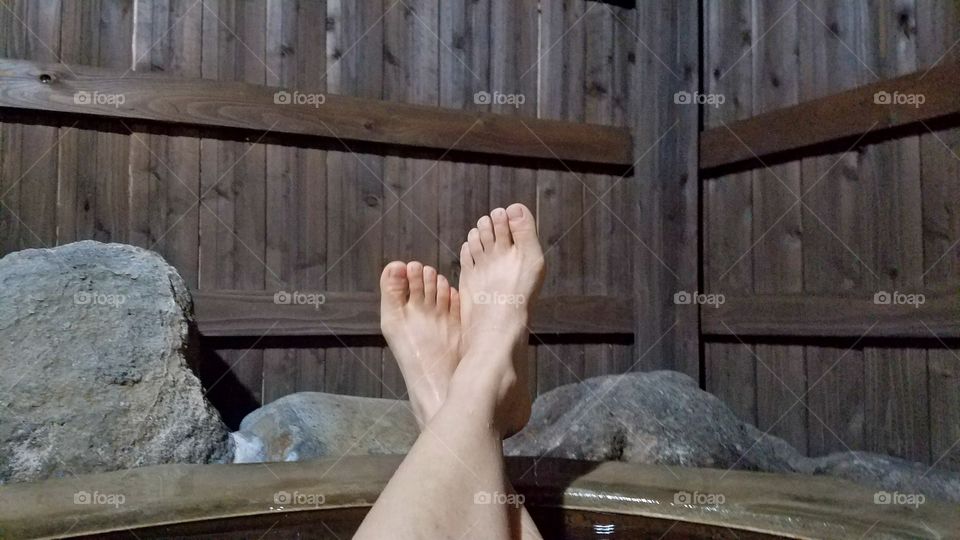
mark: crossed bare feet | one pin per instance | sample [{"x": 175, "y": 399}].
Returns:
[
  {"x": 476, "y": 335},
  {"x": 461, "y": 355}
]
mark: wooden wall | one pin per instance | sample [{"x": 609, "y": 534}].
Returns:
[
  {"x": 249, "y": 215},
  {"x": 879, "y": 217}
]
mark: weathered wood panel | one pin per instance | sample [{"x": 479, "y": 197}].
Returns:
[
  {"x": 664, "y": 216},
  {"x": 730, "y": 368},
  {"x": 875, "y": 218},
  {"x": 46, "y": 88}
]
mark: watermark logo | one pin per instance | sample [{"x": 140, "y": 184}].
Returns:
[
  {"x": 299, "y": 98},
  {"x": 500, "y": 299},
  {"x": 684, "y": 298},
  {"x": 698, "y": 499},
  {"x": 96, "y": 98},
  {"x": 897, "y": 298},
  {"x": 299, "y": 298},
  {"x": 696, "y": 98},
  {"x": 93, "y": 298},
  {"x": 499, "y": 98},
  {"x": 899, "y": 499},
  {"x": 886, "y": 98},
  {"x": 285, "y": 498},
  {"x": 102, "y": 499},
  {"x": 486, "y": 497}
]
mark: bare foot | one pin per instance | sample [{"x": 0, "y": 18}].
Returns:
[
  {"x": 502, "y": 269},
  {"x": 420, "y": 318}
]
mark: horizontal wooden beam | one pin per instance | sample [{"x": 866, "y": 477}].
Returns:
[
  {"x": 925, "y": 96},
  {"x": 938, "y": 316},
  {"x": 308, "y": 314},
  {"x": 151, "y": 97}
]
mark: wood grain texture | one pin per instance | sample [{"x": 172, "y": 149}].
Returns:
[
  {"x": 834, "y": 316},
  {"x": 37, "y": 37},
  {"x": 832, "y": 199},
  {"x": 296, "y": 187},
  {"x": 355, "y": 186},
  {"x": 610, "y": 53},
  {"x": 938, "y": 30},
  {"x": 730, "y": 369},
  {"x": 560, "y": 195},
  {"x": 836, "y": 117},
  {"x": 665, "y": 196},
  {"x": 897, "y": 419},
  {"x": 464, "y": 189},
  {"x": 252, "y": 107},
  {"x": 252, "y": 313},
  {"x": 232, "y": 212},
  {"x": 777, "y": 252}
]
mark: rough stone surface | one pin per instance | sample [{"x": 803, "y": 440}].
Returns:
[
  {"x": 93, "y": 366},
  {"x": 309, "y": 425},
  {"x": 656, "y": 418},
  {"x": 662, "y": 417}
]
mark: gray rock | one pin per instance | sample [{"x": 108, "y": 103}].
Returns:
[
  {"x": 658, "y": 417},
  {"x": 663, "y": 417},
  {"x": 93, "y": 365},
  {"x": 310, "y": 425}
]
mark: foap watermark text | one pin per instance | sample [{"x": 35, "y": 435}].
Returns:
[
  {"x": 98, "y": 98},
  {"x": 299, "y": 98},
  {"x": 696, "y": 98},
  {"x": 897, "y": 298},
  {"x": 499, "y": 98},
  {"x": 296, "y": 498},
  {"x": 299, "y": 298},
  {"x": 683, "y": 298}
]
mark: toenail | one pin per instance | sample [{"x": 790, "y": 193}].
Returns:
[{"x": 515, "y": 212}]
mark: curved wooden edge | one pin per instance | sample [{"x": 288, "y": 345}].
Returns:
[
  {"x": 874, "y": 108},
  {"x": 788, "y": 505},
  {"x": 151, "y": 97},
  {"x": 290, "y": 313}
]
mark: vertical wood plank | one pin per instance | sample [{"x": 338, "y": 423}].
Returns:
[
  {"x": 835, "y": 400},
  {"x": 666, "y": 195},
  {"x": 9, "y": 148},
  {"x": 897, "y": 417},
  {"x": 560, "y": 195},
  {"x": 731, "y": 371},
  {"x": 37, "y": 184},
  {"x": 777, "y": 228},
  {"x": 93, "y": 180},
  {"x": 832, "y": 223},
  {"x": 355, "y": 192},
  {"x": 609, "y": 55},
  {"x": 296, "y": 189},
  {"x": 233, "y": 192},
  {"x": 938, "y": 29},
  {"x": 464, "y": 71}
]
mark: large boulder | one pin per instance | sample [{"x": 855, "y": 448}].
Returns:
[
  {"x": 657, "y": 417},
  {"x": 310, "y": 425},
  {"x": 93, "y": 367},
  {"x": 663, "y": 417}
]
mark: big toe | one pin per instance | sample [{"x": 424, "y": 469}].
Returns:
[
  {"x": 523, "y": 227},
  {"x": 394, "y": 286}
]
